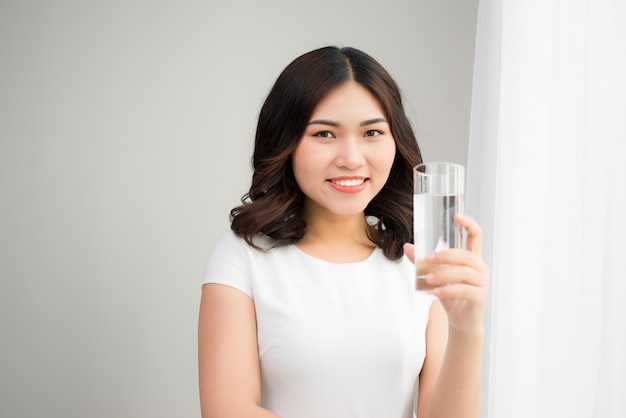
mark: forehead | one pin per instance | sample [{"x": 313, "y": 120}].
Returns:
[{"x": 348, "y": 101}]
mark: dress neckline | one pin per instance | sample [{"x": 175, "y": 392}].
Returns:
[{"x": 321, "y": 260}]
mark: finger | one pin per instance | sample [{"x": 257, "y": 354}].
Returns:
[
  {"x": 474, "y": 232},
  {"x": 456, "y": 275},
  {"x": 457, "y": 256},
  {"x": 469, "y": 302},
  {"x": 409, "y": 251},
  {"x": 461, "y": 291}
]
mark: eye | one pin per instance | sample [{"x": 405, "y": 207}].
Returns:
[
  {"x": 324, "y": 134},
  {"x": 373, "y": 132}
]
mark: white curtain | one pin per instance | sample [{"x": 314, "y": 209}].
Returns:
[{"x": 547, "y": 181}]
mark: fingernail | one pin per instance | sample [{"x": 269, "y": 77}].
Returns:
[
  {"x": 431, "y": 257},
  {"x": 430, "y": 277}
]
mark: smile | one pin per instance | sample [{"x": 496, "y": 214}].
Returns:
[
  {"x": 348, "y": 182},
  {"x": 349, "y": 185}
]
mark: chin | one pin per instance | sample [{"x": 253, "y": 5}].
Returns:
[{"x": 351, "y": 211}]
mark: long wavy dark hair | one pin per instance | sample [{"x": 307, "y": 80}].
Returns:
[{"x": 274, "y": 204}]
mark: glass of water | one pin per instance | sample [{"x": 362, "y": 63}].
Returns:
[{"x": 438, "y": 193}]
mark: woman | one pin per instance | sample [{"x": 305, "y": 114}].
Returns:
[{"x": 309, "y": 306}]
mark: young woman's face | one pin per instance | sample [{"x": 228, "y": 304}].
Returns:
[{"x": 345, "y": 155}]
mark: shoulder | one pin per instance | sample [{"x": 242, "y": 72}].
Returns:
[
  {"x": 228, "y": 242},
  {"x": 228, "y": 262},
  {"x": 233, "y": 262}
]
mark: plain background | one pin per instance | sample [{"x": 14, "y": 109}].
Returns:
[{"x": 126, "y": 134}]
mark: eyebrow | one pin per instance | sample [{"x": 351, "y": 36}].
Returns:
[
  {"x": 373, "y": 121},
  {"x": 336, "y": 124}
]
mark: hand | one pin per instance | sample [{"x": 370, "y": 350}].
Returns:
[{"x": 462, "y": 285}]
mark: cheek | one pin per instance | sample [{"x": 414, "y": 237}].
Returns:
[
  {"x": 298, "y": 161},
  {"x": 303, "y": 161},
  {"x": 387, "y": 156}
]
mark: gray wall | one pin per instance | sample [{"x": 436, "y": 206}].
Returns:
[{"x": 126, "y": 131}]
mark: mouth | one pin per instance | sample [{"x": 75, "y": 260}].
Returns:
[{"x": 348, "y": 184}]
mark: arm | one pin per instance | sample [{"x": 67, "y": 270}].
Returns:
[
  {"x": 228, "y": 359},
  {"x": 450, "y": 378},
  {"x": 450, "y": 384}
]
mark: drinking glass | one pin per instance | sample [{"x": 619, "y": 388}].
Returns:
[{"x": 438, "y": 192}]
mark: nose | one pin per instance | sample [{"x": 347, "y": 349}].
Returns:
[{"x": 350, "y": 154}]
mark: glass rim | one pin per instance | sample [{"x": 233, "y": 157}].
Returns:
[{"x": 456, "y": 167}]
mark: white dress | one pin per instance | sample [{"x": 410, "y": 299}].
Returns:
[{"x": 335, "y": 340}]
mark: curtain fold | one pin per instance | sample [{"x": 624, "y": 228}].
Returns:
[{"x": 547, "y": 181}]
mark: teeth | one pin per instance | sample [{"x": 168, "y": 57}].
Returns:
[{"x": 349, "y": 182}]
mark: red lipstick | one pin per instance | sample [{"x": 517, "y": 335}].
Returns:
[{"x": 348, "y": 184}]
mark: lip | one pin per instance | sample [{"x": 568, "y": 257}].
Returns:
[{"x": 348, "y": 189}]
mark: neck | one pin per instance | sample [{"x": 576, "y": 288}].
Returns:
[{"x": 339, "y": 239}]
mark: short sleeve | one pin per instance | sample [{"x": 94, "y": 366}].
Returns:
[{"x": 229, "y": 263}]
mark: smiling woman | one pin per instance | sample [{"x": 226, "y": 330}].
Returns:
[
  {"x": 125, "y": 140},
  {"x": 309, "y": 307}
]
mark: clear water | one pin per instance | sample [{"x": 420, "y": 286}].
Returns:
[{"x": 434, "y": 229}]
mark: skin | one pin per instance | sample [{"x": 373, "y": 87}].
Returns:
[{"x": 348, "y": 138}]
